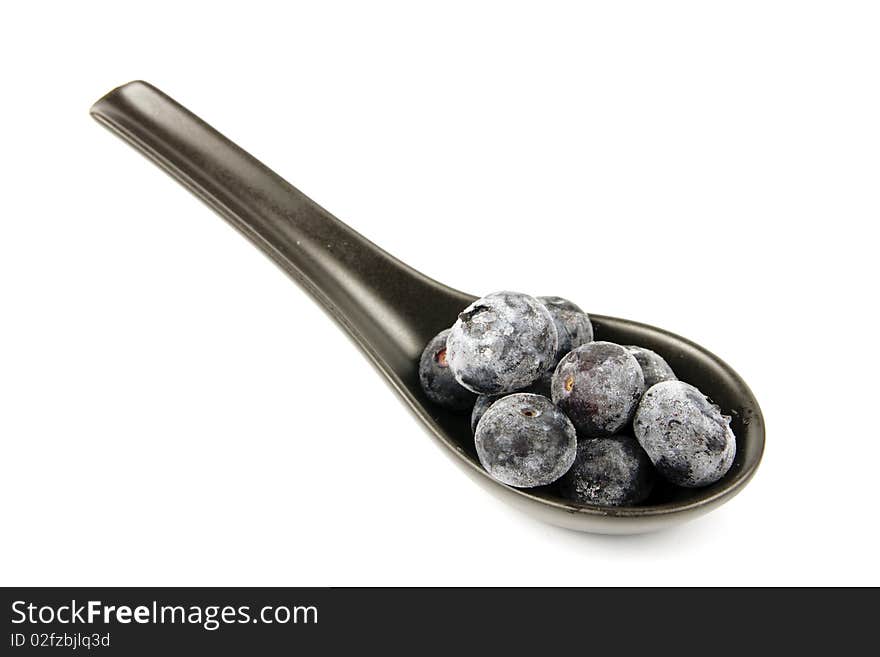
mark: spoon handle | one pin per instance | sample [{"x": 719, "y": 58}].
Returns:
[{"x": 388, "y": 308}]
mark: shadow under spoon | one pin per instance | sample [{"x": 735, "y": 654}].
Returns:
[{"x": 391, "y": 311}]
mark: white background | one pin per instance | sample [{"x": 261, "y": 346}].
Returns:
[{"x": 174, "y": 410}]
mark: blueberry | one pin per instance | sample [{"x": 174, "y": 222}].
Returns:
[
  {"x": 598, "y": 386},
  {"x": 480, "y": 407},
  {"x": 539, "y": 387},
  {"x": 609, "y": 471},
  {"x": 501, "y": 343},
  {"x": 685, "y": 435},
  {"x": 573, "y": 325},
  {"x": 653, "y": 366},
  {"x": 523, "y": 440},
  {"x": 543, "y": 385},
  {"x": 437, "y": 378}
]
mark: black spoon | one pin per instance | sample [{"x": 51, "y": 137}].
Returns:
[{"x": 391, "y": 311}]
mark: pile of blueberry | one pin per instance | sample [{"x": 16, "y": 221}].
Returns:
[{"x": 548, "y": 404}]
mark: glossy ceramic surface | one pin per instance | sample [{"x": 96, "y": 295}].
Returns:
[{"x": 391, "y": 311}]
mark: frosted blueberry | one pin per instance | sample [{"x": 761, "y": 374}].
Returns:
[
  {"x": 437, "y": 378},
  {"x": 685, "y": 435},
  {"x": 573, "y": 325},
  {"x": 609, "y": 471},
  {"x": 501, "y": 343},
  {"x": 653, "y": 366},
  {"x": 540, "y": 387},
  {"x": 523, "y": 440},
  {"x": 598, "y": 386}
]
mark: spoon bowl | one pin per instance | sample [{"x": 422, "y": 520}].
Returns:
[{"x": 391, "y": 311}]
